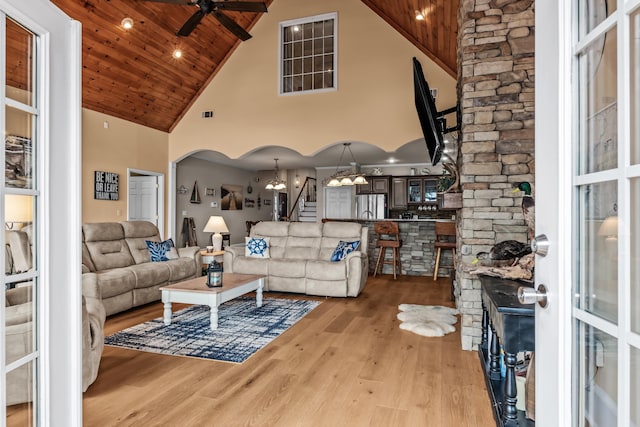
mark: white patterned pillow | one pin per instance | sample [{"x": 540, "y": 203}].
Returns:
[{"x": 257, "y": 247}]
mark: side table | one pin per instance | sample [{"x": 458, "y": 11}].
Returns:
[
  {"x": 208, "y": 257},
  {"x": 513, "y": 325}
]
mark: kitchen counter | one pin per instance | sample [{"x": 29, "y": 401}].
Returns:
[
  {"x": 417, "y": 253},
  {"x": 391, "y": 219}
]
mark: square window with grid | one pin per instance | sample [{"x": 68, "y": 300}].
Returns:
[{"x": 308, "y": 54}]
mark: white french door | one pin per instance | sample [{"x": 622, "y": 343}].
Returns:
[
  {"x": 588, "y": 204},
  {"x": 40, "y": 317}
]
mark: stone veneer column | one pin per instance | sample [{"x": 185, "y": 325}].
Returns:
[{"x": 496, "y": 92}]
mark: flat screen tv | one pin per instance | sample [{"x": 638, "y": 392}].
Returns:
[
  {"x": 427, "y": 113},
  {"x": 432, "y": 122}
]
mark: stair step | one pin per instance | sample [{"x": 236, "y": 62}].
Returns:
[
  {"x": 307, "y": 214},
  {"x": 307, "y": 219}
]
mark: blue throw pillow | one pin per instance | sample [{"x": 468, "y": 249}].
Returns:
[
  {"x": 159, "y": 250},
  {"x": 343, "y": 249}
]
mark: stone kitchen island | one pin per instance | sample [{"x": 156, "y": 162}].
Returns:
[{"x": 417, "y": 252}]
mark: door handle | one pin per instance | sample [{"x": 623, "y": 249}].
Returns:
[
  {"x": 540, "y": 245},
  {"x": 528, "y": 295}
]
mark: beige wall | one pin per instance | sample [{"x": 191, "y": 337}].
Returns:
[
  {"x": 190, "y": 170},
  {"x": 374, "y": 101},
  {"x": 114, "y": 149}
]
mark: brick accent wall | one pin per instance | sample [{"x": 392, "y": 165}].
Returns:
[{"x": 496, "y": 92}]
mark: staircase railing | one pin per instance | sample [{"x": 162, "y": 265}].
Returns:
[{"x": 295, "y": 204}]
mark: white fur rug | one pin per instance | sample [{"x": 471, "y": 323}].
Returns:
[{"x": 427, "y": 320}]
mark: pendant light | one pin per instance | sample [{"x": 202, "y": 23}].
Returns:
[
  {"x": 345, "y": 177},
  {"x": 276, "y": 183}
]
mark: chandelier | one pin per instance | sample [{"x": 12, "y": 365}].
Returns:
[
  {"x": 276, "y": 183},
  {"x": 345, "y": 177}
]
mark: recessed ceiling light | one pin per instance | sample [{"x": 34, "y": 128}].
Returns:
[
  {"x": 177, "y": 54},
  {"x": 127, "y": 23},
  {"x": 419, "y": 15},
  {"x": 391, "y": 160}
]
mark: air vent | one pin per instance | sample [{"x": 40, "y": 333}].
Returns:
[{"x": 207, "y": 114}]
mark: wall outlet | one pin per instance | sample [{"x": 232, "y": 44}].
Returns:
[
  {"x": 184, "y": 213},
  {"x": 599, "y": 354}
]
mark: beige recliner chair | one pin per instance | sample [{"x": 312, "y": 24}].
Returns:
[{"x": 19, "y": 325}]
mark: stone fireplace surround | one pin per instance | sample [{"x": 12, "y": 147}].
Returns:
[{"x": 496, "y": 91}]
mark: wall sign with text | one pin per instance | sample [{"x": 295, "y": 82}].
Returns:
[{"x": 106, "y": 185}]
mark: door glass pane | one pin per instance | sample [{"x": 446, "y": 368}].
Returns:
[
  {"x": 19, "y": 159},
  {"x": 635, "y": 386},
  {"x": 593, "y": 12},
  {"x": 598, "y": 148},
  {"x": 597, "y": 286},
  {"x": 634, "y": 238},
  {"x": 596, "y": 376},
  {"x": 18, "y": 217},
  {"x": 634, "y": 100},
  {"x": 20, "y": 396},
  {"x": 19, "y": 80}
]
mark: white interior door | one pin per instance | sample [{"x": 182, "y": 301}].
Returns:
[
  {"x": 588, "y": 204},
  {"x": 338, "y": 202},
  {"x": 143, "y": 198}
]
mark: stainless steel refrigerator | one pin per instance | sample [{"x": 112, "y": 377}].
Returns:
[{"x": 371, "y": 206}]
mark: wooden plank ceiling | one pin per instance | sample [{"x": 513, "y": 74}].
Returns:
[{"x": 132, "y": 74}]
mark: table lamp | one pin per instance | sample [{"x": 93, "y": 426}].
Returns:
[{"x": 216, "y": 225}]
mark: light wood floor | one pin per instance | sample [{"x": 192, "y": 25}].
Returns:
[{"x": 345, "y": 364}]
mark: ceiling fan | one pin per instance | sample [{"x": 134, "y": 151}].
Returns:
[{"x": 213, "y": 7}]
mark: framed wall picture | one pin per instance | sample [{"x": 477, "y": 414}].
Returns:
[
  {"x": 231, "y": 197},
  {"x": 105, "y": 185}
]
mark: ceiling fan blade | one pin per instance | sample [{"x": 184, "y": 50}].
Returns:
[
  {"x": 191, "y": 24},
  {"x": 241, "y": 6},
  {"x": 182, "y": 2},
  {"x": 230, "y": 25}
]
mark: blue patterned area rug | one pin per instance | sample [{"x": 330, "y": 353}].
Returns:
[{"x": 242, "y": 330}]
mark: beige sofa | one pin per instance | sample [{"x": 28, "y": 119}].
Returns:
[
  {"x": 299, "y": 258},
  {"x": 117, "y": 268}
]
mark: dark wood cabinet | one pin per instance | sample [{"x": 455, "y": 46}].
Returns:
[
  {"x": 398, "y": 193},
  {"x": 422, "y": 190},
  {"x": 375, "y": 185}
]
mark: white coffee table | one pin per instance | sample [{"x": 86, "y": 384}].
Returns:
[{"x": 195, "y": 291}]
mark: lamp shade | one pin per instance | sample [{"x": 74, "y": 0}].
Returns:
[
  {"x": 216, "y": 224},
  {"x": 18, "y": 208},
  {"x": 609, "y": 227}
]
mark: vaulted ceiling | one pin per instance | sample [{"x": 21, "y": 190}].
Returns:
[{"x": 132, "y": 74}]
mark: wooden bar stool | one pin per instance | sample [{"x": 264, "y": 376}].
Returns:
[
  {"x": 445, "y": 239},
  {"x": 392, "y": 240}
]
